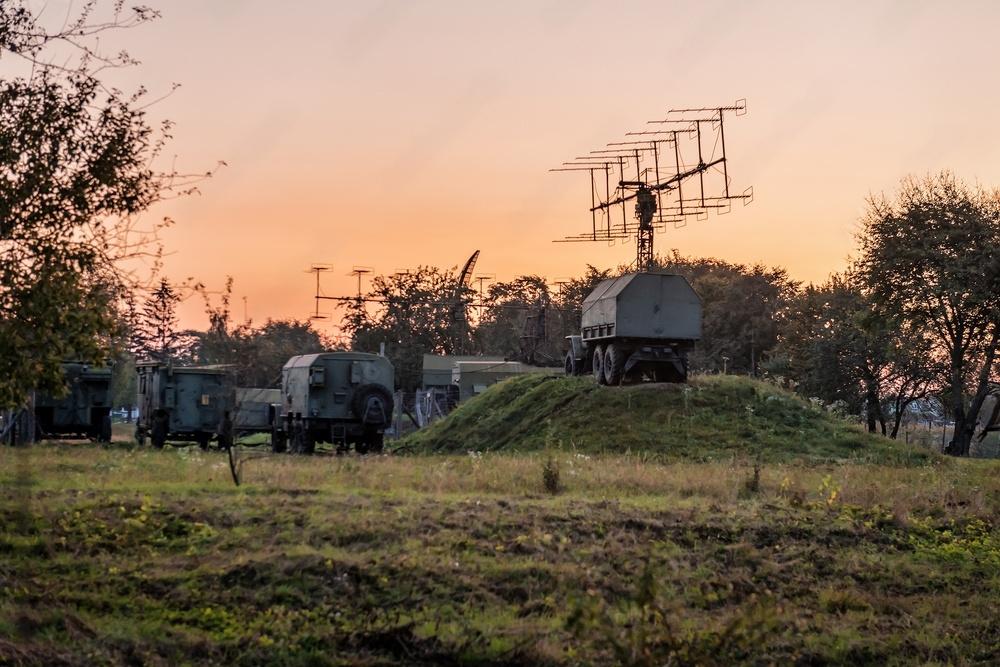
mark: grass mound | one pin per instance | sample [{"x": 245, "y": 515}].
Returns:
[{"x": 712, "y": 417}]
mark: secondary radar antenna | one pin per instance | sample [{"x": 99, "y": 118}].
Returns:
[{"x": 649, "y": 167}]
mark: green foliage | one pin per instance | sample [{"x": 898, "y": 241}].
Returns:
[
  {"x": 75, "y": 170},
  {"x": 255, "y": 354},
  {"x": 704, "y": 420},
  {"x": 742, "y": 306},
  {"x": 418, "y": 312}
]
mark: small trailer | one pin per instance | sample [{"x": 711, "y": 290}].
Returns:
[
  {"x": 183, "y": 404},
  {"x": 637, "y": 325},
  {"x": 84, "y": 412}
]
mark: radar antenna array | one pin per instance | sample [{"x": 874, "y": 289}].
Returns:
[{"x": 656, "y": 169}]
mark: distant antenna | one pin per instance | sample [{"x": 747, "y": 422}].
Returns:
[
  {"x": 318, "y": 269},
  {"x": 650, "y": 168},
  {"x": 360, "y": 271}
]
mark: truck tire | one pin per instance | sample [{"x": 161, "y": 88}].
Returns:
[
  {"x": 279, "y": 443},
  {"x": 598, "y": 364},
  {"x": 307, "y": 445},
  {"x": 105, "y": 435},
  {"x": 140, "y": 436},
  {"x": 614, "y": 364},
  {"x": 571, "y": 368},
  {"x": 373, "y": 405}
]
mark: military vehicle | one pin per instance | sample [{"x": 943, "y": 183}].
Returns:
[
  {"x": 183, "y": 404},
  {"x": 637, "y": 325},
  {"x": 84, "y": 412},
  {"x": 342, "y": 398}
]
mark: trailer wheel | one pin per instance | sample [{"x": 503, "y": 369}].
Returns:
[
  {"x": 159, "y": 428},
  {"x": 598, "y": 364},
  {"x": 614, "y": 364},
  {"x": 202, "y": 439},
  {"x": 571, "y": 368}
]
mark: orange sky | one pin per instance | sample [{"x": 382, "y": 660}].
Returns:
[{"x": 392, "y": 134}]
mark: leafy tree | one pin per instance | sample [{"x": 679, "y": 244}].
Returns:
[
  {"x": 75, "y": 172},
  {"x": 741, "y": 307},
  {"x": 515, "y": 321},
  {"x": 413, "y": 313},
  {"x": 835, "y": 345},
  {"x": 930, "y": 257}
]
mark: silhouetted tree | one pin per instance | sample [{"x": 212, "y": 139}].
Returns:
[
  {"x": 835, "y": 345},
  {"x": 930, "y": 257},
  {"x": 157, "y": 334}
]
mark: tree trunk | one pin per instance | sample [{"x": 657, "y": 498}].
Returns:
[{"x": 962, "y": 438}]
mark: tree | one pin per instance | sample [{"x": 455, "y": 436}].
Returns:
[
  {"x": 412, "y": 313},
  {"x": 157, "y": 334},
  {"x": 741, "y": 306},
  {"x": 75, "y": 173},
  {"x": 516, "y": 319},
  {"x": 931, "y": 259},
  {"x": 835, "y": 345}
]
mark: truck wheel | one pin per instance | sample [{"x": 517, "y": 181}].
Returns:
[
  {"x": 308, "y": 443},
  {"x": 158, "y": 437},
  {"x": 374, "y": 442},
  {"x": 278, "y": 442},
  {"x": 614, "y": 364},
  {"x": 598, "y": 364},
  {"x": 105, "y": 429},
  {"x": 570, "y": 364},
  {"x": 140, "y": 436}
]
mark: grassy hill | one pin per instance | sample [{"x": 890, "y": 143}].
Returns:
[{"x": 712, "y": 417}]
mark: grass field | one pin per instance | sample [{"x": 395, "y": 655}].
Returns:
[
  {"x": 125, "y": 555},
  {"x": 715, "y": 417}
]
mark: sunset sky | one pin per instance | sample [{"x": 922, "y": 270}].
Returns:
[{"x": 392, "y": 134}]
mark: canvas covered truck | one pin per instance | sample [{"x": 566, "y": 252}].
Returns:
[
  {"x": 183, "y": 404},
  {"x": 343, "y": 398},
  {"x": 85, "y": 411},
  {"x": 637, "y": 325}
]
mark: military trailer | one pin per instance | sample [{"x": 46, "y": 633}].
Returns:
[
  {"x": 254, "y": 409},
  {"x": 637, "y": 325},
  {"x": 84, "y": 412},
  {"x": 342, "y": 398},
  {"x": 183, "y": 404}
]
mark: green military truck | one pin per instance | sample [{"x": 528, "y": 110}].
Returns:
[
  {"x": 183, "y": 404},
  {"x": 637, "y": 325},
  {"x": 343, "y": 398},
  {"x": 85, "y": 411}
]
